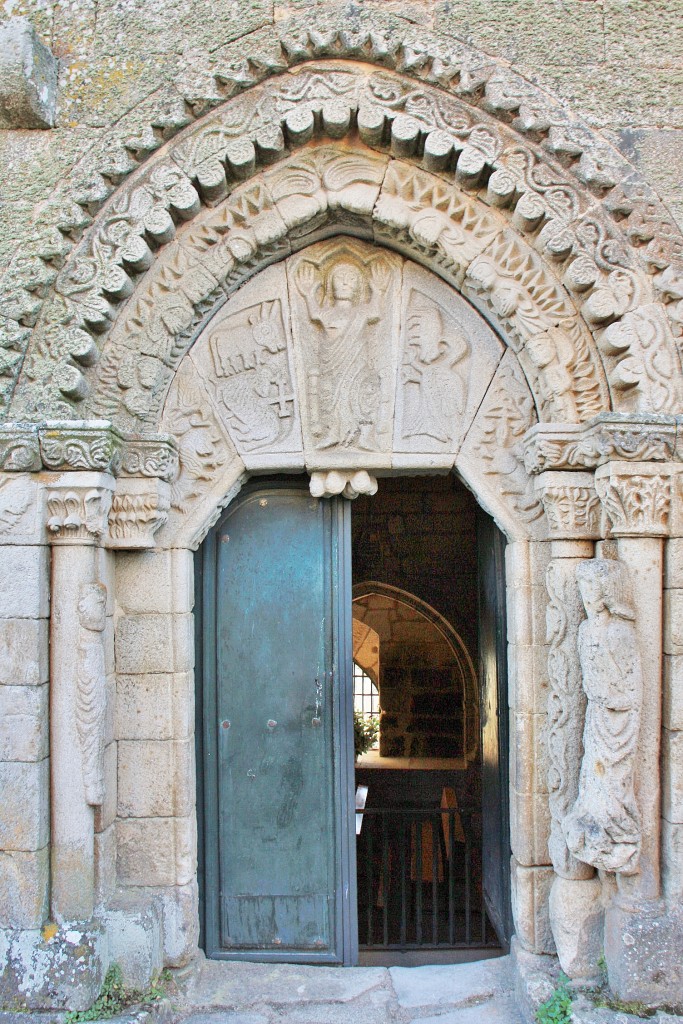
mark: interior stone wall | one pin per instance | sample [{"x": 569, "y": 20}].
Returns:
[
  {"x": 421, "y": 682},
  {"x": 439, "y": 565}
]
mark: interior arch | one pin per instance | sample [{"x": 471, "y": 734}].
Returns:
[{"x": 433, "y": 656}]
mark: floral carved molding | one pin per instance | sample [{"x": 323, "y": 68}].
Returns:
[{"x": 449, "y": 159}]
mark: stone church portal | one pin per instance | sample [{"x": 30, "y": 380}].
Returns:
[{"x": 364, "y": 261}]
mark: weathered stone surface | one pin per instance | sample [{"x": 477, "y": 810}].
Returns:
[
  {"x": 180, "y": 915},
  {"x": 25, "y": 794},
  {"x": 23, "y": 723},
  {"x": 672, "y": 697},
  {"x": 23, "y": 652},
  {"x": 105, "y": 813},
  {"x": 644, "y": 952},
  {"x": 672, "y": 860},
  {"x": 576, "y": 918},
  {"x": 24, "y": 582},
  {"x": 156, "y": 778},
  {"x": 530, "y": 895},
  {"x": 155, "y": 706},
  {"x": 448, "y": 984},
  {"x": 145, "y": 851},
  {"x": 156, "y": 851},
  {"x": 21, "y": 518},
  {"x": 154, "y": 582},
  {"x": 672, "y": 776},
  {"x": 105, "y": 865},
  {"x": 154, "y": 643},
  {"x": 135, "y": 940},
  {"x": 28, "y": 72},
  {"x": 233, "y": 985},
  {"x": 24, "y": 879},
  {"x": 53, "y": 970},
  {"x": 494, "y": 1011}
]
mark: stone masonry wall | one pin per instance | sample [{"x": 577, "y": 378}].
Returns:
[
  {"x": 615, "y": 62},
  {"x": 24, "y": 738}
]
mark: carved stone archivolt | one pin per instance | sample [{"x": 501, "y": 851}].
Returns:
[{"x": 540, "y": 236}]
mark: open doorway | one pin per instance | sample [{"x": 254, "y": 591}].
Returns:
[
  {"x": 425, "y": 666},
  {"x": 281, "y": 610}
]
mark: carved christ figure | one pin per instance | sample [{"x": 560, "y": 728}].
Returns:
[
  {"x": 91, "y": 696},
  {"x": 603, "y": 827},
  {"x": 344, "y": 381}
]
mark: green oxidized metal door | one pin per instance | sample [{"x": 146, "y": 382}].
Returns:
[{"x": 278, "y": 736}]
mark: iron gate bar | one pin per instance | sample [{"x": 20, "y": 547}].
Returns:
[{"x": 393, "y": 839}]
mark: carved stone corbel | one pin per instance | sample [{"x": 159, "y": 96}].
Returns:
[
  {"x": 139, "y": 508},
  {"x": 349, "y": 483}
]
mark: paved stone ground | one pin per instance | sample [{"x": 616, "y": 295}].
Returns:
[
  {"x": 214, "y": 992},
  {"x": 231, "y": 993}
]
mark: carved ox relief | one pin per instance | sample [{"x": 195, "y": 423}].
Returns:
[
  {"x": 244, "y": 357},
  {"x": 203, "y": 447}
]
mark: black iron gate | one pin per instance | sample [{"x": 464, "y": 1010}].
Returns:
[{"x": 419, "y": 881}]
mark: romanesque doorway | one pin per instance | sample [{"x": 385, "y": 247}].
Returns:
[{"x": 280, "y": 612}]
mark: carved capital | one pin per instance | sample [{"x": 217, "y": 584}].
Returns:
[
  {"x": 571, "y": 505},
  {"x": 628, "y": 437},
  {"x": 636, "y": 498},
  {"x": 138, "y": 509},
  {"x": 78, "y": 507},
  {"x": 349, "y": 483}
]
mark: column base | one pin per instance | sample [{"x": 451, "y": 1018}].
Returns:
[
  {"x": 644, "y": 952},
  {"x": 576, "y": 918},
  {"x": 54, "y": 968}
]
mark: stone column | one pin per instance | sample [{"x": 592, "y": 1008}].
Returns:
[
  {"x": 576, "y": 916},
  {"x": 77, "y": 510},
  {"x": 637, "y": 501}
]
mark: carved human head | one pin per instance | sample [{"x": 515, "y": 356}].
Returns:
[
  {"x": 425, "y": 330},
  {"x": 346, "y": 282},
  {"x": 605, "y": 584},
  {"x": 541, "y": 349},
  {"x": 483, "y": 272},
  {"x": 92, "y": 606}
]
